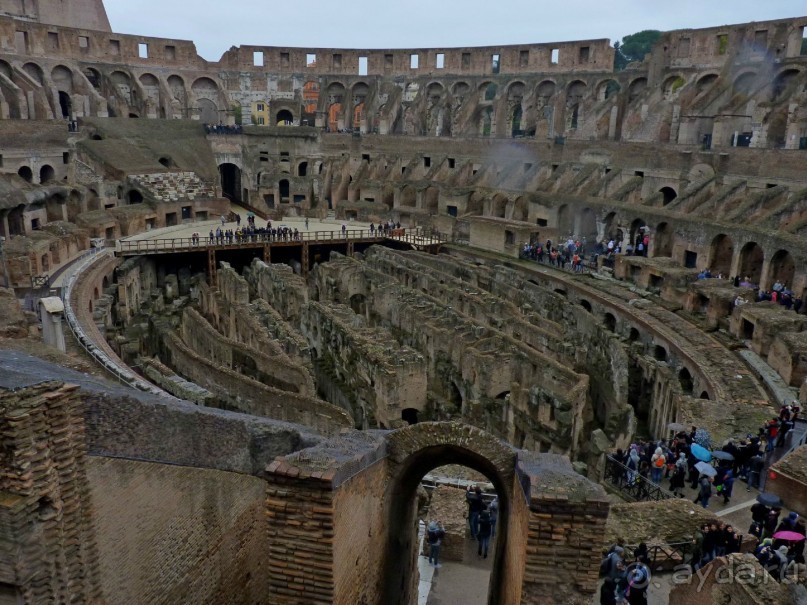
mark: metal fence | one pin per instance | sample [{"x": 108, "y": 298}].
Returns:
[{"x": 631, "y": 484}]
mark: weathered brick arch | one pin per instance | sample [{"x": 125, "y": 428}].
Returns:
[{"x": 414, "y": 451}]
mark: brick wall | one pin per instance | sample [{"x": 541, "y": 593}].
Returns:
[
  {"x": 359, "y": 536},
  {"x": 48, "y": 551},
  {"x": 567, "y": 516},
  {"x": 171, "y": 534},
  {"x": 788, "y": 479}
]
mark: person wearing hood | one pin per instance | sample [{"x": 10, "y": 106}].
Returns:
[
  {"x": 728, "y": 486},
  {"x": 633, "y": 466},
  {"x": 434, "y": 536},
  {"x": 783, "y": 561},
  {"x": 657, "y": 463}
]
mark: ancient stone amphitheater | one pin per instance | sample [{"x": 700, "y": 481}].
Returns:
[{"x": 276, "y": 400}]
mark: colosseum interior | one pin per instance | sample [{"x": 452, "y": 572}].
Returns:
[{"x": 249, "y": 418}]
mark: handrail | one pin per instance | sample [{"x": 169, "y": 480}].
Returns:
[
  {"x": 120, "y": 373},
  {"x": 633, "y": 485},
  {"x": 416, "y": 236}
]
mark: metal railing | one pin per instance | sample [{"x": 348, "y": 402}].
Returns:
[
  {"x": 417, "y": 236},
  {"x": 631, "y": 484}
]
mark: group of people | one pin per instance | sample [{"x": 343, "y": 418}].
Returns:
[
  {"x": 712, "y": 540},
  {"x": 779, "y": 293},
  {"x": 251, "y": 234},
  {"x": 382, "y": 228},
  {"x": 571, "y": 253},
  {"x": 777, "y": 555},
  {"x": 223, "y": 129},
  {"x": 482, "y": 517},
  {"x": 674, "y": 460},
  {"x": 626, "y": 575}
]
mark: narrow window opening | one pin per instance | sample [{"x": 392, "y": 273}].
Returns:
[
  {"x": 171, "y": 53},
  {"x": 495, "y": 61},
  {"x": 388, "y": 61},
  {"x": 451, "y": 162},
  {"x": 362, "y": 66},
  {"x": 524, "y": 58},
  {"x": 83, "y": 42},
  {"x": 440, "y": 61},
  {"x": 414, "y": 61},
  {"x": 555, "y": 56},
  {"x": 427, "y": 162},
  {"x": 466, "y": 60},
  {"x": 143, "y": 50},
  {"x": 114, "y": 47},
  {"x": 257, "y": 59},
  {"x": 284, "y": 60},
  {"x": 310, "y": 60},
  {"x": 585, "y": 54}
]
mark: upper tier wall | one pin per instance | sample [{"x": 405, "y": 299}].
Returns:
[{"x": 708, "y": 47}]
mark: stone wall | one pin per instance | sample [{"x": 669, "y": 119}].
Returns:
[
  {"x": 179, "y": 433},
  {"x": 247, "y": 395},
  {"x": 185, "y": 535},
  {"x": 447, "y": 505},
  {"x": 787, "y": 478}
]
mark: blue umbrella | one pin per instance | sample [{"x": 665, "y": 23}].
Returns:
[{"x": 700, "y": 452}]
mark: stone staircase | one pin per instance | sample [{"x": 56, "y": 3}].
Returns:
[{"x": 173, "y": 186}]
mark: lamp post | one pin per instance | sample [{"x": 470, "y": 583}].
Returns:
[{"x": 6, "y": 276}]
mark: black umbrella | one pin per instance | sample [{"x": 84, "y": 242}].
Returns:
[
  {"x": 771, "y": 500},
  {"x": 721, "y": 455}
]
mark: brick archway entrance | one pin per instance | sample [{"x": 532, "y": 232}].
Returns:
[
  {"x": 341, "y": 519},
  {"x": 412, "y": 453}
]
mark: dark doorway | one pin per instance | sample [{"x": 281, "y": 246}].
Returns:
[
  {"x": 283, "y": 190},
  {"x": 134, "y": 196},
  {"x": 410, "y": 416},
  {"x": 26, "y": 174},
  {"x": 284, "y": 118},
  {"x": 64, "y": 104},
  {"x": 46, "y": 173},
  {"x": 230, "y": 182}
]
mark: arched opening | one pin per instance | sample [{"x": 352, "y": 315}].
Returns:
[
  {"x": 402, "y": 541},
  {"x": 45, "y": 263},
  {"x": 302, "y": 169},
  {"x": 782, "y": 270},
  {"x": 659, "y": 353},
  {"x": 610, "y": 322},
  {"x": 705, "y": 83},
  {"x": 663, "y": 240},
  {"x": 410, "y": 416},
  {"x": 782, "y": 82},
  {"x": 588, "y": 225},
  {"x": 46, "y": 173},
  {"x": 431, "y": 198},
  {"x": 358, "y": 303},
  {"x": 704, "y": 395},
  {"x": 636, "y": 88},
  {"x": 165, "y": 161},
  {"x": 565, "y": 225},
  {"x": 607, "y": 90},
  {"x": 586, "y": 305},
  {"x": 668, "y": 194},
  {"x": 230, "y": 175},
  {"x": 634, "y": 335},
  {"x": 498, "y": 206},
  {"x": 64, "y": 104},
  {"x": 685, "y": 379},
  {"x": 408, "y": 197},
  {"x": 284, "y": 189},
  {"x": 134, "y": 196},
  {"x": 638, "y": 228},
  {"x": 284, "y": 118},
  {"x": 26, "y": 174},
  {"x": 520, "y": 209},
  {"x": 455, "y": 399},
  {"x": 751, "y": 259},
  {"x": 721, "y": 253}
]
